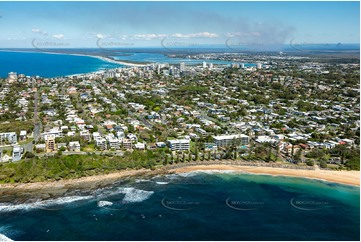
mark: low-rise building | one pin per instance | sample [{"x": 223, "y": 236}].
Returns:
[
  {"x": 179, "y": 144},
  {"x": 101, "y": 143},
  {"x": 114, "y": 143},
  {"x": 127, "y": 144},
  {"x": 74, "y": 146},
  {"x": 17, "y": 153},
  {"x": 9, "y": 137},
  {"x": 22, "y": 135},
  {"x": 234, "y": 139},
  {"x": 139, "y": 146}
]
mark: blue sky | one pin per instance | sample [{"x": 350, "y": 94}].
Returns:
[{"x": 176, "y": 24}]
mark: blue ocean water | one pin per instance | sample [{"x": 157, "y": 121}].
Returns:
[
  {"x": 50, "y": 65},
  {"x": 194, "y": 206}
]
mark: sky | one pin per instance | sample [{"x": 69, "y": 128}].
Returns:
[{"x": 176, "y": 24}]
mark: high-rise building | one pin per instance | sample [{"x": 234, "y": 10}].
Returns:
[
  {"x": 259, "y": 66},
  {"x": 50, "y": 143},
  {"x": 12, "y": 76},
  {"x": 204, "y": 64},
  {"x": 182, "y": 66}
]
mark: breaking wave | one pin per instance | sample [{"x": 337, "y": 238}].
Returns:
[
  {"x": 133, "y": 195},
  {"x": 4, "y": 238},
  {"x": 7, "y": 207}
]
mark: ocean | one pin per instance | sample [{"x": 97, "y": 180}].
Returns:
[
  {"x": 50, "y": 65},
  {"x": 55, "y": 65},
  {"x": 193, "y": 206}
]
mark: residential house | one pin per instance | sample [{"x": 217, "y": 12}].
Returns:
[{"x": 74, "y": 146}]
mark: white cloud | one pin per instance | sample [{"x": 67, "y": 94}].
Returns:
[
  {"x": 36, "y": 31},
  {"x": 58, "y": 36},
  {"x": 100, "y": 36},
  {"x": 238, "y": 34},
  {"x": 176, "y": 35},
  {"x": 149, "y": 36},
  {"x": 39, "y": 31},
  {"x": 196, "y": 35}
]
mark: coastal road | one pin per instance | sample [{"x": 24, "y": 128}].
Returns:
[{"x": 37, "y": 129}]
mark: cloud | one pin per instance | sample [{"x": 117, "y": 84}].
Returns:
[
  {"x": 39, "y": 31},
  {"x": 100, "y": 36},
  {"x": 196, "y": 35},
  {"x": 36, "y": 31},
  {"x": 58, "y": 36},
  {"x": 175, "y": 35},
  {"x": 262, "y": 36},
  {"x": 148, "y": 36}
]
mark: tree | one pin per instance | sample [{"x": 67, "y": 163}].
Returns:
[
  {"x": 323, "y": 163},
  {"x": 269, "y": 151},
  {"x": 29, "y": 155},
  {"x": 196, "y": 152},
  {"x": 277, "y": 152},
  {"x": 298, "y": 155},
  {"x": 353, "y": 163},
  {"x": 310, "y": 163}
]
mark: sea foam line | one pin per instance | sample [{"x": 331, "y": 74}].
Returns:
[{"x": 6, "y": 207}]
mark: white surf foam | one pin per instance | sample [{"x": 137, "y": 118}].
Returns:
[
  {"x": 6, "y": 207},
  {"x": 141, "y": 180},
  {"x": 4, "y": 238},
  {"x": 133, "y": 195},
  {"x": 104, "y": 204},
  {"x": 162, "y": 183},
  {"x": 194, "y": 173}
]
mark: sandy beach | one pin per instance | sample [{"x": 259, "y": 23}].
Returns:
[{"x": 343, "y": 177}]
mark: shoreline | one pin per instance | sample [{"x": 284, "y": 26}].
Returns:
[
  {"x": 103, "y": 58},
  {"x": 52, "y": 189},
  {"x": 351, "y": 178}
]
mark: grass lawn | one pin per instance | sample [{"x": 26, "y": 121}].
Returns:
[{"x": 89, "y": 148}]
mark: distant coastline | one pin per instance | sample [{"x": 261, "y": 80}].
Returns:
[{"x": 100, "y": 57}]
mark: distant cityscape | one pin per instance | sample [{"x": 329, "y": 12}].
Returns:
[{"x": 288, "y": 109}]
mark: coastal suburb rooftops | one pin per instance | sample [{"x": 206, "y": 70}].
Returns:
[{"x": 232, "y": 136}]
